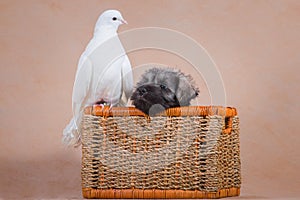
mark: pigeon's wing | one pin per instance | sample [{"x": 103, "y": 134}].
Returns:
[
  {"x": 81, "y": 85},
  {"x": 127, "y": 77},
  {"x": 71, "y": 135}
]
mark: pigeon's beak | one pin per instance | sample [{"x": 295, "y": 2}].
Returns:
[{"x": 123, "y": 21}]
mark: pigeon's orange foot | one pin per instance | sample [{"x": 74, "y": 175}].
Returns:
[{"x": 103, "y": 104}]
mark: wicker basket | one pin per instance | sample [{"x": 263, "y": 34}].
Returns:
[{"x": 187, "y": 152}]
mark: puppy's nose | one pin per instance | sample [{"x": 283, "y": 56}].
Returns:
[{"x": 142, "y": 90}]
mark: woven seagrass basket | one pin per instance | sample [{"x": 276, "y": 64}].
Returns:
[{"x": 186, "y": 152}]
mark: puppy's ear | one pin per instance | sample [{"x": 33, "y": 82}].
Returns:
[{"x": 186, "y": 91}]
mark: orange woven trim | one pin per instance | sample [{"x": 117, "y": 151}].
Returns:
[
  {"x": 157, "y": 194},
  {"x": 175, "y": 112}
]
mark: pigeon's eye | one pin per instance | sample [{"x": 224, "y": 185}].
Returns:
[
  {"x": 114, "y": 18},
  {"x": 163, "y": 87}
]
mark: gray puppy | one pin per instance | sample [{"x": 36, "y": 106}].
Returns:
[{"x": 162, "y": 88}]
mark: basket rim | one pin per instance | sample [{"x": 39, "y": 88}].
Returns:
[{"x": 97, "y": 110}]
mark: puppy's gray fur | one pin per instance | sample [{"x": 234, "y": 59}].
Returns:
[{"x": 165, "y": 86}]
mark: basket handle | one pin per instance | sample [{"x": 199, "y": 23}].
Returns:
[{"x": 228, "y": 125}]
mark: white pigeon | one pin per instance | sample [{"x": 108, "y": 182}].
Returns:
[{"x": 104, "y": 73}]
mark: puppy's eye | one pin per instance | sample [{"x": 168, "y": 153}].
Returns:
[
  {"x": 163, "y": 87},
  {"x": 114, "y": 18}
]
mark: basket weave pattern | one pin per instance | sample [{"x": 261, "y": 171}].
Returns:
[{"x": 188, "y": 149}]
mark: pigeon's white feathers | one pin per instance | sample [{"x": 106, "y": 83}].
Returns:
[
  {"x": 127, "y": 77},
  {"x": 104, "y": 73}
]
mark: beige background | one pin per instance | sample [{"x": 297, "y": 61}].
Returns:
[{"x": 255, "y": 45}]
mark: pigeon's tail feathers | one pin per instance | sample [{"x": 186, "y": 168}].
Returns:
[{"x": 71, "y": 136}]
